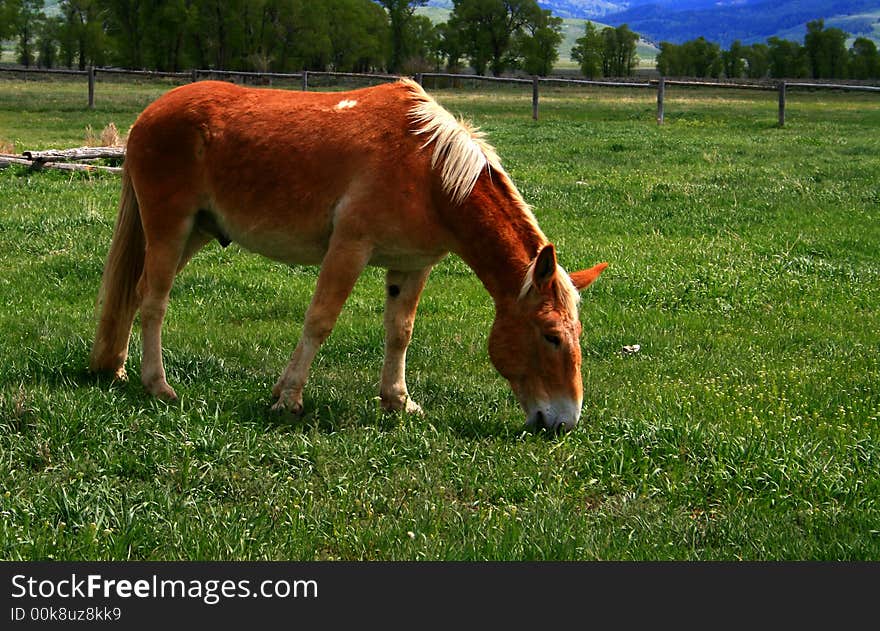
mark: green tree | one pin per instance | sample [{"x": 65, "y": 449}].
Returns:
[
  {"x": 28, "y": 18},
  {"x": 462, "y": 40},
  {"x": 826, "y": 51},
  {"x": 734, "y": 61},
  {"x": 285, "y": 35},
  {"x": 487, "y": 29},
  {"x": 619, "y": 58},
  {"x": 82, "y": 38},
  {"x": 864, "y": 60},
  {"x": 8, "y": 14},
  {"x": 47, "y": 42},
  {"x": 451, "y": 47},
  {"x": 757, "y": 58},
  {"x": 302, "y": 38},
  {"x": 359, "y": 34},
  {"x": 422, "y": 46},
  {"x": 219, "y": 34},
  {"x": 401, "y": 14},
  {"x": 147, "y": 33},
  {"x": 125, "y": 30},
  {"x": 669, "y": 59},
  {"x": 537, "y": 44},
  {"x": 587, "y": 51},
  {"x": 258, "y": 34},
  {"x": 787, "y": 59},
  {"x": 695, "y": 58},
  {"x": 165, "y": 35},
  {"x": 703, "y": 58}
]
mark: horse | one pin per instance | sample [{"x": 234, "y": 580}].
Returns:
[{"x": 381, "y": 176}]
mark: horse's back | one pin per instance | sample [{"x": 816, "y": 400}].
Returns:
[
  {"x": 280, "y": 170},
  {"x": 221, "y": 120}
]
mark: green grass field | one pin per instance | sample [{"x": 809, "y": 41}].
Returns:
[{"x": 744, "y": 259}]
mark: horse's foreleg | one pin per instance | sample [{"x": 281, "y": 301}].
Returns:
[
  {"x": 402, "y": 298},
  {"x": 340, "y": 270}
]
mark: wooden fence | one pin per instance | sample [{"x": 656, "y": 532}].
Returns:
[{"x": 658, "y": 85}]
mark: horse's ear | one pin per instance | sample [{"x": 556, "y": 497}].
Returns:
[
  {"x": 585, "y": 277},
  {"x": 545, "y": 267}
]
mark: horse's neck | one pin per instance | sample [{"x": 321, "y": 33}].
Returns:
[{"x": 496, "y": 235}]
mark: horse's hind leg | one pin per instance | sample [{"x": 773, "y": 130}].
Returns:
[
  {"x": 197, "y": 240},
  {"x": 165, "y": 256},
  {"x": 342, "y": 265},
  {"x": 402, "y": 298}
]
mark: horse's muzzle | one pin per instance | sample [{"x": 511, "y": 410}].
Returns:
[{"x": 557, "y": 417}]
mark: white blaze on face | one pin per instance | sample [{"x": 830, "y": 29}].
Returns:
[{"x": 344, "y": 104}]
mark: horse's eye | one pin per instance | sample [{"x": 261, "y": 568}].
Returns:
[{"x": 553, "y": 339}]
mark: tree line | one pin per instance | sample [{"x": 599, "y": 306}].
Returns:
[
  {"x": 823, "y": 55},
  {"x": 496, "y": 36},
  {"x": 282, "y": 35}
]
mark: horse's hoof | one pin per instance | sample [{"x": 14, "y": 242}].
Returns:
[
  {"x": 414, "y": 408},
  {"x": 281, "y": 406},
  {"x": 408, "y": 405},
  {"x": 166, "y": 393},
  {"x": 161, "y": 390},
  {"x": 104, "y": 369}
]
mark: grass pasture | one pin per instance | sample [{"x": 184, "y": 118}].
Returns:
[{"x": 744, "y": 259}]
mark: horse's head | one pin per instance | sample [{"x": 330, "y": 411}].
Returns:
[{"x": 535, "y": 342}]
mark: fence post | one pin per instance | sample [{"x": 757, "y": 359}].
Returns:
[
  {"x": 535, "y": 98},
  {"x": 419, "y": 79},
  {"x": 305, "y": 80},
  {"x": 782, "y": 103},
  {"x": 194, "y": 75},
  {"x": 91, "y": 87},
  {"x": 661, "y": 94}
]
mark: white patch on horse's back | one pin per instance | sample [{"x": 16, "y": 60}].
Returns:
[{"x": 345, "y": 104}]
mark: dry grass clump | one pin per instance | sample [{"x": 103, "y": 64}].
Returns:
[
  {"x": 6, "y": 146},
  {"x": 109, "y": 137}
]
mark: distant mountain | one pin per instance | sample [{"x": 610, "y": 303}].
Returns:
[
  {"x": 583, "y": 8},
  {"x": 747, "y": 20},
  {"x": 586, "y": 9},
  {"x": 720, "y": 21}
]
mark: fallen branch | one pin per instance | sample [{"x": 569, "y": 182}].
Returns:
[
  {"x": 7, "y": 160},
  {"x": 73, "y": 155}
]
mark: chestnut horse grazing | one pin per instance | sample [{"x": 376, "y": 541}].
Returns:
[{"x": 380, "y": 176}]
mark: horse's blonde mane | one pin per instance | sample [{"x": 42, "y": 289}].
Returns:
[
  {"x": 462, "y": 153},
  {"x": 460, "y": 150}
]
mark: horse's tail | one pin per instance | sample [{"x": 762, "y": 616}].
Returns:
[{"x": 118, "y": 297}]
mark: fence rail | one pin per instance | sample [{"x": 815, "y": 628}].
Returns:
[
  {"x": 476, "y": 77},
  {"x": 833, "y": 86},
  {"x": 781, "y": 87}
]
